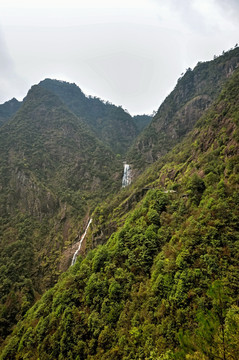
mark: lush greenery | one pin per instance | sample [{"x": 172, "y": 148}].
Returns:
[
  {"x": 165, "y": 284},
  {"x": 53, "y": 171}
]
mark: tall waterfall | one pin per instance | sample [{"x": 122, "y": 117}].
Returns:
[
  {"x": 81, "y": 240},
  {"x": 127, "y": 177}
]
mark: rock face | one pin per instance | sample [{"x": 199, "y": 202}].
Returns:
[{"x": 177, "y": 115}]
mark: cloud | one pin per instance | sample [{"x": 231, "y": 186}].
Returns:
[
  {"x": 230, "y": 10},
  {"x": 200, "y": 16},
  {"x": 229, "y": 5},
  {"x": 10, "y": 82},
  {"x": 129, "y": 52}
]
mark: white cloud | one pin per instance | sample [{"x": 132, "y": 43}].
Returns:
[
  {"x": 129, "y": 52},
  {"x": 10, "y": 83}
]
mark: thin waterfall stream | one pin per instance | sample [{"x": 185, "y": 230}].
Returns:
[
  {"x": 127, "y": 177},
  {"x": 81, "y": 240}
]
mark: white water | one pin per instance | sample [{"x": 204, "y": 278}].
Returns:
[
  {"x": 81, "y": 240},
  {"x": 127, "y": 175}
]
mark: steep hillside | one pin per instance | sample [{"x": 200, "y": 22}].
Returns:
[
  {"x": 165, "y": 284},
  {"x": 8, "y": 109},
  {"x": 177, "y": 115},
  {"x": 53, "y": 172},
  {"x": 110, "y": 123}
]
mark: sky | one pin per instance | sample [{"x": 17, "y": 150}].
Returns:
[{"x": 128, "y": 52}]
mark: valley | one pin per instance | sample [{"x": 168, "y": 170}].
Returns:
[{"x": 119, "y": 240}]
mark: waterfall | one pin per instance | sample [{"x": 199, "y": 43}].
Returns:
[
  {"x": 81, "y": 240},
  {"x": 127, "y": 175}
]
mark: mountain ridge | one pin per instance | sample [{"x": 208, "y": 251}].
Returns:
[
  {"x": 192, "y": 95},
  {"x": 110, "y": 123}
]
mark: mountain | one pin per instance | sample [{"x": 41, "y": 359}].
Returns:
[
  {"x": 46, "y": 139},
  {"x": 110, "y": 123},
  {"x": 194, "y": 93},
  {"x": 8, "y": 109},
  {"x": 141, "y": 121},
  {"x": 164, "y": 283},
  {"x": 53, "y": 172}
]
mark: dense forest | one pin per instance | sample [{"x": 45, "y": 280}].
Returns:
[{"x": 159, "y": 277}]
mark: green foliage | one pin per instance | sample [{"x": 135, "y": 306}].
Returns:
[
  {"x": 163, "y": 284},
  {"x": 53, "y": 170},
  {"x": 195, "y": 188}
]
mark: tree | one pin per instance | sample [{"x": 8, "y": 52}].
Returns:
[{"x": 216, "y": 336}]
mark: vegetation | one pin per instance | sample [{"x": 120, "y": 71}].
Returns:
[
  {"x": 141, "y": 121},
  {"x": 53, "y": 171},
  {"x": 8, "y": 109},
  {"x": 164, "y": 284},
  {"x": 109, "y": 123}
]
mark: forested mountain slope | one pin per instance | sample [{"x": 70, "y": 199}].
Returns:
[
  {"x": 53, "y": 172},
  {"x": 110, "y": 123},
  {"x": 165, "y": 284},
  {"x": 177, "y": 115}
]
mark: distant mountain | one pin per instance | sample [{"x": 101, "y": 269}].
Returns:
[
  {"x": 110, "y": 123},
  {"x": 194, "y": 93},
  {"x": 8, "y": 109},
  {"x": 164, "y": 283},
  {"x": 141, "y": 121}
]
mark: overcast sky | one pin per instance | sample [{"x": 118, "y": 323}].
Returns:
[{"x": 130, "y": 52}]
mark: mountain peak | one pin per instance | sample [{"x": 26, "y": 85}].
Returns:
[{"x": 110, "y": 124}]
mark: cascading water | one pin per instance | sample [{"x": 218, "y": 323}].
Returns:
[
  {"x": 127, "y": 175},
  {"x": 81, "y": 240}
]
